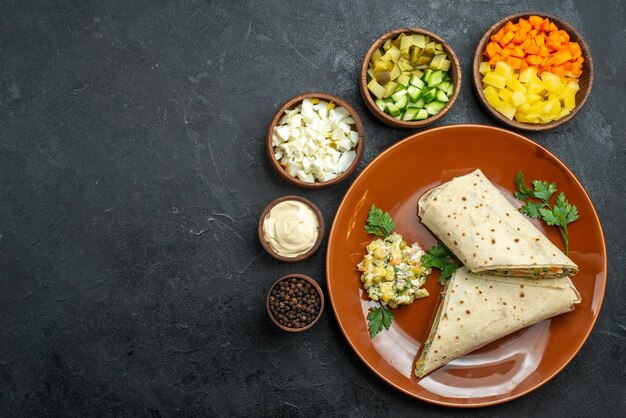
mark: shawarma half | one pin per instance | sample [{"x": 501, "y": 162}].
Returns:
[
  {"x": 488, "y": 235},
  {"x": 478, "y": 309}
]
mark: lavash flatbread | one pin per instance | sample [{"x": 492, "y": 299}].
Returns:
[
  {"x": 478, "y": 309},
  {"x": 488, "y": 235}
]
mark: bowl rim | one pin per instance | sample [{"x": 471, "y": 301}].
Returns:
[
  {"x": 387, "y": 119},
  {"x": 477, "y": 77},
  {"x": 320, "y": 229},
  {"x": 315, "y": 286},
  {"x": 360, "y": 146}
]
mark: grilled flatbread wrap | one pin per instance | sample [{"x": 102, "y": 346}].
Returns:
[
  {"x": 477, "y": 309},
  {"x": 488, "y": 235}
]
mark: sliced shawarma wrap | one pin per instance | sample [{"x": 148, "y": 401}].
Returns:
[
  {"x": 477, "y": 309},
  {"x": 488, "y": 235}
]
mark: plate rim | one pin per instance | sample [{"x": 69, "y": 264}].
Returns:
[{"x": 333, "y": 232}]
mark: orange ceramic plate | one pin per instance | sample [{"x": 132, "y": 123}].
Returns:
[{"x": 507, "y": 368}]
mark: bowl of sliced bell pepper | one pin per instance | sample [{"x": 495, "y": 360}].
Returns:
[{"x": 532, "y": 71}]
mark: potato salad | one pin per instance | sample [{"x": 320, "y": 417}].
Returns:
[{"x": 393, "y": 273}]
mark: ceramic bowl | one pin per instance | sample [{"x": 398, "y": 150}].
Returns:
[
  {"x": 585, "y": 81},
  {"x": 320, "y": 230},
  {"x": 369, "y": 99},
  {"x": 315, "y": 286},
  {"x": 290, "y": 104}
]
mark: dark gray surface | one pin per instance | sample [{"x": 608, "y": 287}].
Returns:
[{"x": 133, "y": 173}]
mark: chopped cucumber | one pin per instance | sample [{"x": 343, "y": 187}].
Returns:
[
  {"x": 401, "y": 104},
  {"x": 421, "y": 114},
  {"x": 410, "y": 114},
  {"x": 418, "y": 104},
  {"x": 397, "y": 95},
  {"x": 399, "y": 88},
  {"x": 443, "y": 85},
  {"x": 446, "y": 75},
  {"x": 427, "y": 75},
  {"x": 392, "y": 109},
  {"x": 381, "y": 104},
  {"x": 417, "y": 82},
  {"x": 441, "y": 96},
  {"x": 429, "y": 96},
  {"x": 435, "y": 78},
  {"x": 414, "y": 93},
  {"x": 450, "y": 90},
  {"x": 434, "y": 107}
]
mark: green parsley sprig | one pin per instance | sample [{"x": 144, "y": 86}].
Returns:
[
  {"x": 561, "y": 214},
  {"x": 440, "y": 256},
  {"x": 379, "y": 223},
  {"x": 377, "y": 318}
]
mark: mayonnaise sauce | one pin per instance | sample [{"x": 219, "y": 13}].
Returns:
[{"x": 291, "y": 228}]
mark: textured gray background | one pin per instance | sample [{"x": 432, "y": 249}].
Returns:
[{"x": 133, "y": 173}]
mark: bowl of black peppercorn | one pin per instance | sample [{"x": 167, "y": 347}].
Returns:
[{"x": 295, "y": 302}]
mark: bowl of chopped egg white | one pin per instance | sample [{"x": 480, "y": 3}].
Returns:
[{"x": 315, "y": 140}]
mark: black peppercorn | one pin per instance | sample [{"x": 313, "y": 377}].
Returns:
[{"x": 294, "y": 303}]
